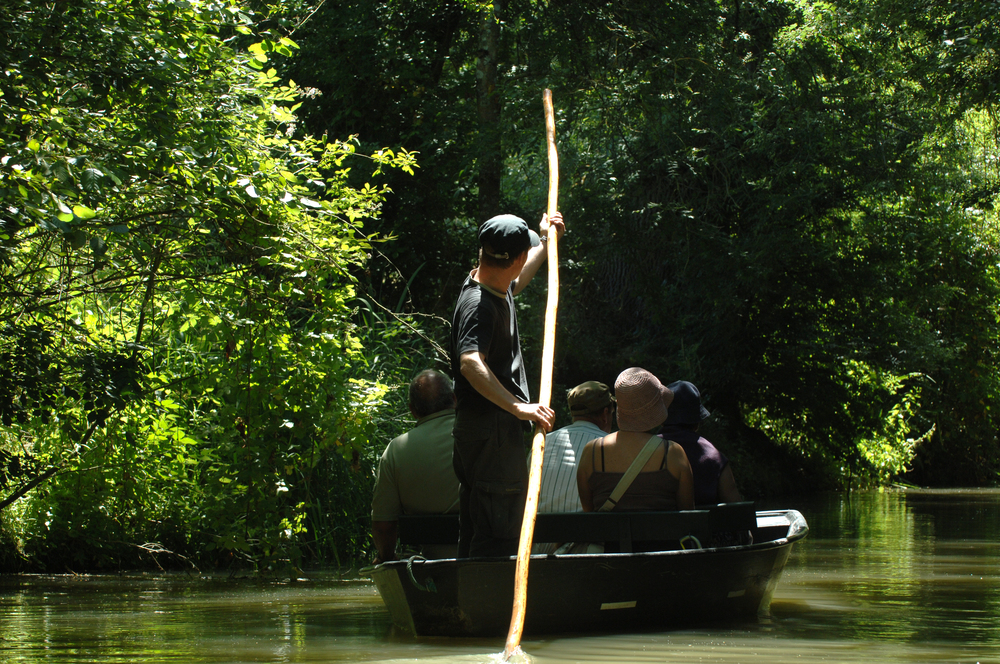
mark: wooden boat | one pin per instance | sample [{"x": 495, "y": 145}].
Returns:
[{"x": 606, "y": 592}]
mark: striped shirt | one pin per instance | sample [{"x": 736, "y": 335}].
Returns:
[{"x": 558, "y": 492}]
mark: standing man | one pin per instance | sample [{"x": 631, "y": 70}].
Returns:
[
  {"x": 415, "y": 474},
  {"x": 593, "y": 411},
  {"x": 492, "y": 388}
]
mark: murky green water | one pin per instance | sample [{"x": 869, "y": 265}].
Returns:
[{"x": 881, "y": 578}]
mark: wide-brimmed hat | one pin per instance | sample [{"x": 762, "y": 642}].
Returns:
[
  {"x": 642, "y": 400},
  {"x": 589, "y": 397},
  {"x": 506, "y": 236},
  {"x": 686, "y": 408}
]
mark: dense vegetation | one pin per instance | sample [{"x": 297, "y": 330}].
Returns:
[{"x": 216, "y": 281}]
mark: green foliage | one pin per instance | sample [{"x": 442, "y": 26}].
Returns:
[
  {"x": 775, "y": 200},
  {"x": 179, "y": 275},
  {"x": 209, "y": 314}
]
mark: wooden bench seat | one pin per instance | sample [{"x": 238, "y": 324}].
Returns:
[{"x": 626, "y": 528}]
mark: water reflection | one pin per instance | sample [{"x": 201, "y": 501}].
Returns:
[
  {"x": 919, "y": 570},
  {"x": 882, "y": 576}
]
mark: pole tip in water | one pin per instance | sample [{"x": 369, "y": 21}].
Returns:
[{"x": 515, "y": 656}]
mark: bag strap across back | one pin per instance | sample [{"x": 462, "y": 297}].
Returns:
[{"x": 626, "y": 481}]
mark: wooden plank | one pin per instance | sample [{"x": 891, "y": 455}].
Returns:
[
  {"x": 623, "y": 527},
  {"x": 416, "y": 529}
]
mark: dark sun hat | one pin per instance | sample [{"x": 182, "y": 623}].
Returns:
[
  {"x": 686, "y": 408},
  {"x": 505, "y": 236},
  {"x": 642, "y": 400}
]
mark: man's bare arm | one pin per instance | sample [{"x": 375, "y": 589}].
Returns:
[
  {"x": 384, "y": 534},
  {"x": 538, "y": 255},
  {"x": 473, "y": 366}
]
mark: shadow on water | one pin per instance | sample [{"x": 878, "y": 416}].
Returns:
[{"x": 896, "y": 577}]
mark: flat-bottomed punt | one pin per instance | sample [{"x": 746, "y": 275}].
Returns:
[{"x": 597, "y": 592}]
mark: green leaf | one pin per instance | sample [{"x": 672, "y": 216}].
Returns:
[
  {"x": 83, "y": 212},
  {"x": 90, "y": 179},
  {"x": 54, "y": 225},
  {"x": 76, "y": 238}
]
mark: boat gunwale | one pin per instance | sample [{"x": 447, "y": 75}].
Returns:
[{"x": 795, "y": 521}]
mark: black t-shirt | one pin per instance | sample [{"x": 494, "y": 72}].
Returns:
[{"x": 486, "y": 323}]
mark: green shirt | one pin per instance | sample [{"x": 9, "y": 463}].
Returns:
[{"x": 415, "y": 475}]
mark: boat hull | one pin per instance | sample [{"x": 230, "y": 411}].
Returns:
[{"x": 614, "y": 592}]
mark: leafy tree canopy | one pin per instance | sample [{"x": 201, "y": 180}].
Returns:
[
  {"x": 780, "y": 201},
  {"x": 177, "y": 334}
]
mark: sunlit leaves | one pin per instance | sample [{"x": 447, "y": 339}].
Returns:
[{"x": 169, "y": 199}]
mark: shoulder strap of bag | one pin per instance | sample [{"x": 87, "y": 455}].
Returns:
[{"x": 626, "y": 481}]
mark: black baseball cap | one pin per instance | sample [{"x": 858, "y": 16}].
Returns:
[{"x": 506, "y": 236}]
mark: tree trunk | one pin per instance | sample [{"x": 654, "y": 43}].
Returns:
[{"x": 490, "y": 157}]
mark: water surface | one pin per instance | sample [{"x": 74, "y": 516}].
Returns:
[{"x": 887, "y": 577}]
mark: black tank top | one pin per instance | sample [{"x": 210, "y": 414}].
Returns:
[{"x": 654, "y": 490}]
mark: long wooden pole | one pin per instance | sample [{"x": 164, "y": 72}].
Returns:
[{"x": 544, "y": 394}]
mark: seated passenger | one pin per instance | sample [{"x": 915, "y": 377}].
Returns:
[
  {"x": 415, "y": 474},
  {"x": 661, "y": 476},
  {"x": 713, "y": 475},
  {"x": 593, "y": 411}
]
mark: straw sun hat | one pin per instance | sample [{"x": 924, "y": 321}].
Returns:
[{"x": 642, "y": 400}]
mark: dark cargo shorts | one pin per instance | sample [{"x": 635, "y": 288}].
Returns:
[{"x": 490, "y": 460}]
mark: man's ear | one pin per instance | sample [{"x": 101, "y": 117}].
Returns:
[
  {"x": 609, "y": 413},
  {"x": 522, "y": 259}
]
